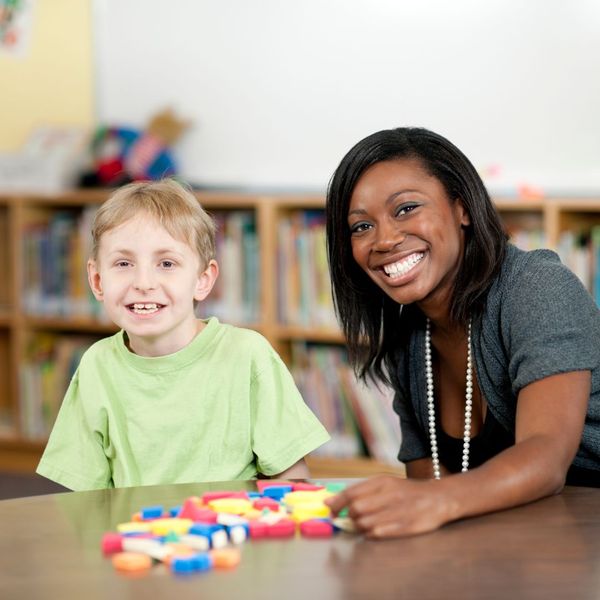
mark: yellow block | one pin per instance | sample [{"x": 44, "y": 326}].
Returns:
[
  {"x": 306, "y": 496},
  {"x": 134, "y": 527},
  {"x": 165, "y": 526},
  {"x": 306, "y": 511},
  {"x": 233, "y": 506}
]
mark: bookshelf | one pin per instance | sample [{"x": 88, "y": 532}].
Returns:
[{"x": 31, "y": 224}]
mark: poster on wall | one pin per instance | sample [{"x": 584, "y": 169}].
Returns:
[{"x": 16, "y": 18}]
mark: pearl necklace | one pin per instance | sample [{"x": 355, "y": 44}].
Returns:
[{"x": 431, "y": 407}]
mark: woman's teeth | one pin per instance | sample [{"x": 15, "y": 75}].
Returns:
[{"x": 403, "y": 266}]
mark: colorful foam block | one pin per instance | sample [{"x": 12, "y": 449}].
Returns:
[
  {"x": 283, "y": 528},
  {"x": 316, "y": 528}
]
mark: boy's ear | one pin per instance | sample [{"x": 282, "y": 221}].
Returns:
[
  {"x": 206, "y": 280},
  {"x": 94, "y": 280}
]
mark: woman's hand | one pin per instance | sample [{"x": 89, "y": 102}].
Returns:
[{"x": 387, "y": 506}]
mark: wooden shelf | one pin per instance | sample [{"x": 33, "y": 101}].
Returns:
[{"x": 553, "y": 216}]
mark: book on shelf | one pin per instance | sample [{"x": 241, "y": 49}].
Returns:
[
  {"x": 55, "y": 252},
  {"x": 304, "y": 288},
  {"x": 358, "y": 415},
  {"x": 49, "y": 364},
  {"x": 235, "y": 296},
  {"x": 580, "y": 251}
]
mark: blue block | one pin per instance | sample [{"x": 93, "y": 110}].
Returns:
[
  {"x": 277, "y": 492},
  {"x": 202, "y": 561},
  {"x": 152, "y": 512},
  {"x": 183, "y": 564},
  {"x": 174, "y": 512},
  {"x": 205, "y": 529}
]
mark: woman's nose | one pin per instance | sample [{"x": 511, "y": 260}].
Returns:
[{"x": 388, "y": 235}]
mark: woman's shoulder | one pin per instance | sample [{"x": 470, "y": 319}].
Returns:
[{"x": 534, "y": 270}]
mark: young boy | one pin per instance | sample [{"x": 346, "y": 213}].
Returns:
[{"x": 171, "y": 398}]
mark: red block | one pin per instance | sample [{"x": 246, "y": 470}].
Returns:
[
  {"x": 208, "y": 496},
  {"x": 269, "y": 503},
  {"x": 301, "y": 486},
  {"x": 257, "y": 529},
  {"x": 112, "y": 543},
  {"x": 283, "y": 528},
  {"x": 316, "y": 528},
  {"x": 261, "y": 484},
  {"x": 191, "y": 510}
]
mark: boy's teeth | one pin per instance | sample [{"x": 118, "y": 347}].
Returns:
[
  {"x": 403, "y": 266},
  {"x": 145, "y": 308}
]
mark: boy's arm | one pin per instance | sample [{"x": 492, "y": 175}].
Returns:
[{"x": 298, "y": 470}]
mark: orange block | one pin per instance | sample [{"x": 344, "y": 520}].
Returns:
[{"x": 226, "y": 558}]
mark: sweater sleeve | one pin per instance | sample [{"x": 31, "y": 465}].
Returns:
[{"x": 550, "y": 323}]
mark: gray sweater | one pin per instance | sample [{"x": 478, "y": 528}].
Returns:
[{"x": 539, "y": 320}]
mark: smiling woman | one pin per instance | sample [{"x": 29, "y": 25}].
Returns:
[{"x": 492, "y": 351}]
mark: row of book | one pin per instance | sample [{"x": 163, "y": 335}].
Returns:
[{"x": 358, "y": 415}]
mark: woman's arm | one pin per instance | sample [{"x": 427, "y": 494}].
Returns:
[{"x": 549, "y": 422}]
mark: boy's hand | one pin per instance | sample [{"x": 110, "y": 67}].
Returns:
[{"x": 387, "y": 506}]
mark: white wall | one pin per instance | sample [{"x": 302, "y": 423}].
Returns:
[{"x": 279, "y": 90}]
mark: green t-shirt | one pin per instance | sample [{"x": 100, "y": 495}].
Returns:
[{"x": 224, "y": 407}]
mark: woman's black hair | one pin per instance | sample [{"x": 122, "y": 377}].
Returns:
[{"x": 373, "y": 324}]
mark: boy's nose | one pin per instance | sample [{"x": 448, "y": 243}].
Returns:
[{"x": 145, "y": 279}]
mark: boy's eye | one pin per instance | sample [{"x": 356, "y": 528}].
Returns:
[
  {"x": 122, "y": 263},
  {"x": 167, "y": 264}
]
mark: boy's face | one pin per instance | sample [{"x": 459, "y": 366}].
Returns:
[{"x": 148, "y": 282}]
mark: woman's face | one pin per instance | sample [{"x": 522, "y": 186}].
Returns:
[{"x": 406, "y": 234}]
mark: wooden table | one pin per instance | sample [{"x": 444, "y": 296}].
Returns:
[{"x": 50, "y": 548}]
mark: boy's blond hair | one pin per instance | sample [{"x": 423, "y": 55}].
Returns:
[{"x": 170, "y": 203}]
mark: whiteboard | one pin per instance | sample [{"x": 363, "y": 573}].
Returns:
[{"x": 278, "y": 91}]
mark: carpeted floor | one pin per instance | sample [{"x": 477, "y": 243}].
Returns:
[{"x": 15, "y": 485}]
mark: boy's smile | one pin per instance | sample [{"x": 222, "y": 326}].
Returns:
[{"x": 148, "y": 282}]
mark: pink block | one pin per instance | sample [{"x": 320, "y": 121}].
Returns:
[
  {"x": 112, "y": 543},
  {"x": 283, "y": 528},
  {"x": 269, "y": 503},
  {"x": 316, "y": 528}
]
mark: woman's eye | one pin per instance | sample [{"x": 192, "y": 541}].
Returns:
[
  {"x": 359, "y": 227},
  {"x": 404, "y": 209}
]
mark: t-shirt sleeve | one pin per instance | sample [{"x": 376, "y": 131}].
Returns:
[
  {"x": 550, "y": 323},
  {"x": 284, "y": 429},
  {"x": 74, "y": 455}
]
